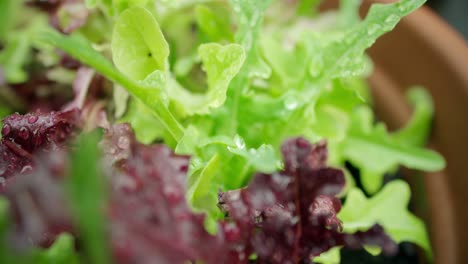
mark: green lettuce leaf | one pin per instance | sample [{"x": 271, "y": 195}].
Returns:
[
  {"x": 221, "y": 64},
  {"x": 148, "y": 91},
  {"x": 138, "y": 44},
  {"x": 343, "y": 56},
  {"x": 332, "y": 256},
  {"x": 213, "y": 23},
  {"x": 61, "y": 252},
  {"x": 416, "y": 132},
  {"x": 114, "y": 7},
  {"x": 387, "y": 208},
  {"x": 249, "y": 19},
  {"x": 376, "y": 152}
]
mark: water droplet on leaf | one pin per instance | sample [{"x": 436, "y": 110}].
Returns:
[
  {"x": 239, "y": 142},
  {"x": 24, "y": 133},
  {"x": 6, "y": 130},
  {"x": 123, "y": 143},
  {"x": 373, "y": 29},
  {"x": 32, "y": 119}
]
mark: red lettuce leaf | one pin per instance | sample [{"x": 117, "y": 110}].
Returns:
[
  {"x": 290, "y": 216},
  {"x": 25, "y": 135}
]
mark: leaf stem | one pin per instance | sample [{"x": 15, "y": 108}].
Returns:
[{"x": 80, "y": 49}]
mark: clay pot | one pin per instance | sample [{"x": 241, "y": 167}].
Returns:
[{"x": 425, "y": 50}]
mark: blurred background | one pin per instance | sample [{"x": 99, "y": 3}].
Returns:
[{"x": 455, "y": 12}]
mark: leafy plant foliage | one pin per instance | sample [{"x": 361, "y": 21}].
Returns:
[{"x": 236, "y": 90}]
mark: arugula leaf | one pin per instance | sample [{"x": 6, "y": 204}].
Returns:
[{"x": 387, "y": 209}]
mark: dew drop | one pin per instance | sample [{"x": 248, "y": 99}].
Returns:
[
  {"x": 27, "y": 168},
  {"x": 37, "y": 141},
  {"x": 112, "y": 150},
  {"x": 24, "y": 133},
  {"x": 239, "y": 142},
  {"x": 402, "y": 7},
  {"x": 316, "y": 67},
  {"x": 391, "y": 19},
  {"x": 6, "y": 130},
  {"x": 172, "y": 194},
  {"x": 32, "y": 119},
  {"x": 123, "y": 142},
  {"x": 291, "y": 103},
  {"x": 373, "y": 29},
  {"x": 232, "y": 232}
]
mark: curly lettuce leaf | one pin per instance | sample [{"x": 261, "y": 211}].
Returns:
[
  {"x": 387, "y": 208},
  {"x": 221, "y": 163},
  {"x": 139, "y": 51},
  {"x": 221, "y": 64}
]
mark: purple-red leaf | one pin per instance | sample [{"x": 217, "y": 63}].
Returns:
[
  {"x": 24, "y": 135},
  {"x": 290, "y": 216}
]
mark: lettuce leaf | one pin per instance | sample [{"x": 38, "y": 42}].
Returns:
[
  {"x": 388, "y": 210},
  {"x": 375, "y": 151}
]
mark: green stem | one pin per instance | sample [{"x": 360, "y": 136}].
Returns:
[{"x": 80, "y": 49}]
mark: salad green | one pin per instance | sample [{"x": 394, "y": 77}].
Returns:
[{"x": 227, "y": 82}]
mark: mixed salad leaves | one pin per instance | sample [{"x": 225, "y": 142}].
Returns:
[{"x": 179, "y": 131}]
